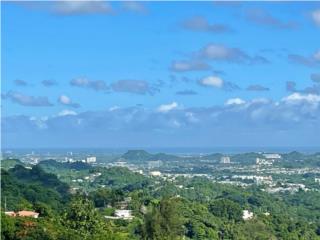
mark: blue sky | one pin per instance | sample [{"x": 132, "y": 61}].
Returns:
[{"x": 160, "y": 74}]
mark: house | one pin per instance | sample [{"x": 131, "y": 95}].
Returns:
[
  {"x": 10, "y": 213},
  {"x": 23, "y": 213},
  {"x": 247, "y": 215},
  {"x": 27, "y": 214},
  {"x": 121, "y": 214},
  {"x": 124, "y": 214}
]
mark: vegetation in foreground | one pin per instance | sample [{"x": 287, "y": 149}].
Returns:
[{"x": 185, "y": 209}]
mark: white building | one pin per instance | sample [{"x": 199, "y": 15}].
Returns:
[
  {"x": 262, "y": 161},
  {"x": 247, "y": 215},
  {"x": 225, "y": 160},
  {"x": 124, "y": 214},
  {"x": 272, "y": 156},
  {"x": 91, "y": 159},
  {"x": 155, "y": 173}
]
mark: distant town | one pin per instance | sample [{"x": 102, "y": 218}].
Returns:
[{"x": 272, "y": 172}]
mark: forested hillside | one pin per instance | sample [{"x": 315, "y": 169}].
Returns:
[{"x": 188, "y": 208}]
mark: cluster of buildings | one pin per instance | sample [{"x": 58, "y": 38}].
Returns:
[
  {"x": 255, "y": 178},
  {"x": 288, "y": 187},
  {"x": 89, "y": 178},
  {"x": 123, "y": 212},
  {"x": 87, "y": 160},
  {"x": 263, "y": 161}
]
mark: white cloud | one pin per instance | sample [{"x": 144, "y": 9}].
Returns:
[
  {"x": 113, "y": 108},
  {"x": 201, "y": 24},
  {"x": 82, "y": 7},
  {"x": 219, "y": 52},
  {"x": 167, "y": 107},
  {"x": 40, "y": 122},
  {"x": 298, "y": 97},
  {"x": 67, "y": 112},
  {"x": 190, "y": 116},
  {"x": 212, "y": 81},
  {"x": 134, "y": 6},
  {"x": 27, "y": 100},
  {"x": 315, "y": 15},
  {"x": 64, "y": 99},
  {"x": 97, "y": 85},
  {"x": 255, "y": 118},
  {"x": 184, "y": 66},
  {"x": 235, "y": 101},
  {"x": 260, "y": 101}
]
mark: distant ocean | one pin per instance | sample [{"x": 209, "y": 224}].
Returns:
[{"x": 171, "y": 150}]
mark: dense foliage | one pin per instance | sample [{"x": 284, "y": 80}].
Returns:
[{"x": 187, "y": 208}]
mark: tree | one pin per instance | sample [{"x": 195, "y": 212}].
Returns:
[
  {"x": 43, "y": 209},
  {"x": 227, "y": 209},
  {"x": 8, "y": 227},
  {"x": 163, "y": 221},
  {"x": 82, "y": 217}
]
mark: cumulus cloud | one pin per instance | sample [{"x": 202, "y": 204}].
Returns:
[
  {"x": 257, "y": 87},
  {"x": 49, "y": 83},
  {"x": 26, "y": 100},
  {"x": 186, "y": 92},
  {"x": 164, "y": 108},
  {"x": 134, "y": 6},
  {"x": 293, "y": 119},
  {"x": 315, "y": 16},
  {"x": 114, "y": 108},
  {"x": 297, "y": 98},
  {"x": 201, "y": 24},
  {"x": 310, "y": 61},
  {"x": 20, "y": 83},
  {"x": 65, "y": 100},
  {"x": 219, "y": 52},
  {"x": 262, "y": 17},
  {"x": 81, "y": 7},
  {"x": 134, "y": 86},
  {"x": 217, "y": 82},
  {"x": 67, "y": 112},
  {"x": 211, "y": 81},
  {"x": 235, "y": 101},
  {"x": 186, "y": 66},
  {"x": 97, "y": 85}
]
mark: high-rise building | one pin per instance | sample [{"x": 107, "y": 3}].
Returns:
[{"x": 225, "y": 160}]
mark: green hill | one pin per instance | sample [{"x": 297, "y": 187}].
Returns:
[
  {"x": 10, "y": 163},
  {"x": 142, "y": 156},
  {"x": 52, "y": 166},
  {"x": 22, "y": 188}
]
